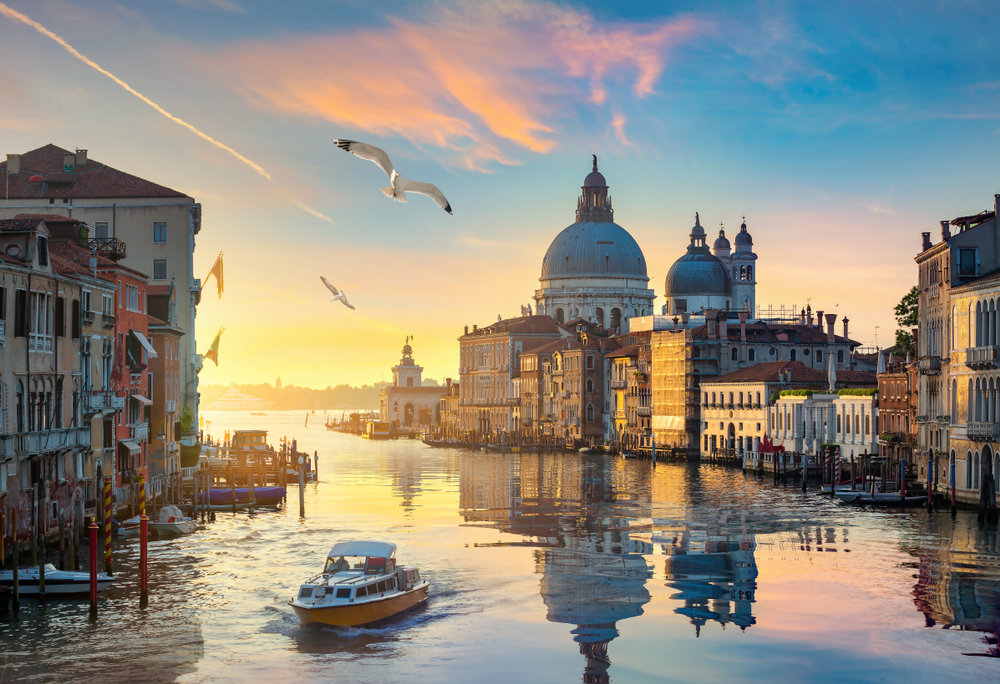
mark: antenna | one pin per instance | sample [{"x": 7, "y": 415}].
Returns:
[{"x": 876, "y": 336}]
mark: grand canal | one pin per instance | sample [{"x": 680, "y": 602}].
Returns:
[{"x": 544, "y": 568}]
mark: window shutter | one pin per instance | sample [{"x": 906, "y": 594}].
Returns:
[
  {"x": 61, "y": 317},
  {"x": 76, "y": 319},
  {"x": 21, "y": 313}
]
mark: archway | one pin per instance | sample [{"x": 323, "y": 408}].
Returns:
[
  {"x": 731, "y": 439},
  {"x": 987, "y": 463},
  {"x": 560, "y": 316},
  {"x": 600, "y": 316},
  {"x": 616, "y": 318},
  {"x": 408, "y": 415}
]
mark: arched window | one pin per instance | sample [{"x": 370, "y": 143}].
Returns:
[
  {"x": 838, "y": 423},
  {"x": 590, "y": 385},
  {"x": 840, "y": 356},
  {"x": 743, "y": 272},
  {"x": 590, "y": 413},
  {"x": 749, "y": 272},
  {"x": 751, "y": 355},
  {"x": 735, "y": 354},
  {"x": 819, "y": 356},
  {"x": 968, "y": 470},
  {"x": 791, "y": 354},
  {"x": 975, "y": 472},
  {"x": 560, "y": 316}
]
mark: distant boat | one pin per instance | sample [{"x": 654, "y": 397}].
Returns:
[{"x": 307, "y": 420}]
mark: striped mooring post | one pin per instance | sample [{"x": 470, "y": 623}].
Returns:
[
  {"x": 142, "y": 495},
  {"x": 836, "y": 466},
  {"x": 107, "y": 526}
]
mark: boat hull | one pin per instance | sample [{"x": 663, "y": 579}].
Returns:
[
  {"x": 264, "y": 496},
  {"x": 365, "y": 614},
  {"x": 169, "y": 530},
  {"x": 57, "y": 582}
]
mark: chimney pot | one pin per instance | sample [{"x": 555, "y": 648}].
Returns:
[
  {"x": 81, "y": 157},
  {"x": 846, "y": 337},
  {"x": 466, "y": 330},
  {"x": 945, "y": 230},
  {"x": 710, "y": 315},
  {"x": 831, "y": 320},
  {"x": 819, "y": 320},
  {"x": 802, "y": 317},
  {"x": 927, "y": 241},
  {"x": 685, "y": 317},
  {"x": 723, "y": 328}
]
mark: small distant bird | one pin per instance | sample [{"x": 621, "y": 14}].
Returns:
[
  {"x": 337, "y": 294},
  {"x": 399, "y": 185}
]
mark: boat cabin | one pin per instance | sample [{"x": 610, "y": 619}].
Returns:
[
  {"x": 377, "y": 429},
  {"x": 360, "y": 571},
  {"x": 250, "y": 440}
]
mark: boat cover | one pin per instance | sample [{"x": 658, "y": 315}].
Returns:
[
  {"x": 170, "y": 514},
  {"x": 364, "y": 548}
]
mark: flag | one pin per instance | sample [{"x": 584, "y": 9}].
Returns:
[
  {"x": 213, "y": 351},
  {"x": 217, "y": 272}
]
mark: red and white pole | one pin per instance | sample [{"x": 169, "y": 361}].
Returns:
[{"x": 93, "y": 570}]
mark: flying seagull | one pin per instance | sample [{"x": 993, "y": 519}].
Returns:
[
  {"x": 399, "y": 185},
  {"x": 337, "y": 294}
]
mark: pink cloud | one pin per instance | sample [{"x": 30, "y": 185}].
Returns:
[{"x": 476, "y": 81}]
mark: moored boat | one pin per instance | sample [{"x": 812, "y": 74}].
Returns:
[
  {"x": 263, "y": 496},
  {"x": 56, "y": 581},
  {"x": 360, "y": 586},
  {"x": 172, "y": 523},
  {"x": 881, "y": 499}
]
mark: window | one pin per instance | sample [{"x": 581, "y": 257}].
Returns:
[
  {"x": 160, "y": 231},
  {"x": 590, "y": 362},
  {"x": 60, "y": 322},
  {"x": 819, "y": 357},
  {"x": 967, "y": 262},
  {"x": 159, "y": 269},
  {"x": 43, "y": 251},
  {"x": 735, "y": 354},
  {"x": 758, "y": 427},
  {"x": 40, "y": 337},
  {"x": 840, "y": 356},
  {"x": 590, "y": 385},
  {"x": 409, "y": 382},
  {"x": 590, "y": 413},
  {"x": 101, "y": 229},
  {"x": 791, "y": 354},
  {"x": 751, "y": 355}
]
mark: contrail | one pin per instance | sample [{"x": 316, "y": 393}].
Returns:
[{"x": 14, "y": 14}]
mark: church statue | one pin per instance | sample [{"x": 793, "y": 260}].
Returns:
[{"x": 529, "y": 310}]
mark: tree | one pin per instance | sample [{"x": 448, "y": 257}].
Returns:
[{"x": 907, "y": 317}]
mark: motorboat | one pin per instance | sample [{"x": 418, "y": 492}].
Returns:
[
  {"x": 881, "y": 498},
  {"x": 263, "y": 496},
  {"x": 360, "y": 586},
  {"x": 62, "y": 582},
  {"x": 172, "y": 523}
]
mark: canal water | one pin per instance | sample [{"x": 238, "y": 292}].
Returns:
[{"x": 544, "y": 568}]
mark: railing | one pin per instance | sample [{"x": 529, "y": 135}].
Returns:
[
  {"x": 512, "y": 401},
  {"x": 88, "y": 317},
  {"x": 171, "y": 406},
  {"x": 140, "y": 432},
  {"x": 103, "y": 400},
  {"x": 7, "y": 444},
  {"x": 983, "y": 432},
  {"x": 981, "y": 357},
  {"x": 619, "y": 384},
  {"x": 111, "y": 247},
  {"x": 108, "y": 320},
  {"x": 39, "y": 343},
  {"x": 929, "y": 365},
  {"x": 565, "y": 395},
  {"x": 644, "y": 411},
  {"x": 58, "y": 438}
]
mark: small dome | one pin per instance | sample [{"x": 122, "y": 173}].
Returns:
[
  {"x": 722, "y": 242},
  {"x": 595, "y": 179},
  {"x": 697, "y": 274},
  {"x": 743, "y": 237}
]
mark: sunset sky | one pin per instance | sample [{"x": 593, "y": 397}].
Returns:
[{"x": 841, "y": 130}]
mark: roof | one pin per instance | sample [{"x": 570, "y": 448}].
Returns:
[
  {"x": 763, "y": 333},
  {"x": 49, "y": 218},
  {"x": 158, "y": 290},
  {"x": 630, "y": 350},
  {"x": 153, "y": 320},
  {"x": 771, "y": 371},
  {"x": 548, "y": 348},
  {"x": 91, "y": 180},
  {"x": 601, "y": 249},
  {"x": 364, "y": 548},
  {"x": 18, "y": 225},
  {"x": 523, "y": 325}
]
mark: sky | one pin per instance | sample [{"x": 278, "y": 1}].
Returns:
[{"x": 840, "y": 130}]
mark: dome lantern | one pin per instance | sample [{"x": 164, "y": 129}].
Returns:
[{"x": 595, "y": 202}]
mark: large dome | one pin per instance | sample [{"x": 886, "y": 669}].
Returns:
[
  {"x": 698, "y": 272},
  {"x": 601, "y": 249}
]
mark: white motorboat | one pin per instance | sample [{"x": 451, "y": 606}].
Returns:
[
  {"x": 172, "y": 523},
  {"x": 56, "y": 581},
  {"x": 361, "y": 585}
]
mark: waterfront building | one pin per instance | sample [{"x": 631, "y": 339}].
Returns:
[
  {"x": 577, "y": 378},
  {"x": 812, "y": 421},
  {"x": 45, "y": 439},
  {"x": 407, "y": 402},
  {"x": 158, "y": 225},
  {"x": 539, "y": 400},
  {"x": 489, "y": 357},
  {"x": 594, "y": 269},
  {"x": 165, "y": 393},
  {"x": 959, "y": 285},
  {"x": 897, "y": 413},
  {"x": 621, "y": 363},
  {"x": 682, "y": 358},
  {"x": 448, "y": 407}
]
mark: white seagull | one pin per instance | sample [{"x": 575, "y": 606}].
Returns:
[
  {"x": 399, "y": 185},
  {"x": 337, "y": 294}
]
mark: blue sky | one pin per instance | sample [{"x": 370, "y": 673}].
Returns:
[{"x": 842, "y": 131}]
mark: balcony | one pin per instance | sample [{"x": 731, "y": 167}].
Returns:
[
  {"x": 619, "y": 384},
  {"x": 929, "y": 365},
  {"x": 39, "y": 343},
  {"x": 644, "y": 411},
  {"x": 103, "y": 400},
  {"x": 53, "y": 440},
  {"x": 981, "y": 357},
  {"x": 983, "y": 432},
  {"x": 171, "y": 406},
  {"x": 565, "y": 395},
  {"x": 512, "y": 401},
  {"x": 108, "y": 320},
  {"x": 113, "y": 248},
  {"x": 139, "y": 432}
]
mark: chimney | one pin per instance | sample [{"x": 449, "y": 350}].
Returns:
[
  {"x": 13, "y": 164},
  {"x": 475, "y": 329},
  {"x": 685, "y": 317},
  {"x": 831, "y": 320},
  {"x": 927, "y": 242},
  {"x": 710, "y": 315},
  {"x": 846, "y": 337},
  {"x": 69, "y": 160},
  {"x": 945, "y": 230},
  {"x": 723, "y": 328},
  {"x": 81, "y": 157},
  {"x": 447, "y": 381},
  {"x": 802, "y": 317},
  {"x": 466, "y": 330},
  {"x": 819, "y": 320},
  {"x": 676, "y": 321},
  {"x": 809, "y": 314},
  {"x": 743, "y": 326}
]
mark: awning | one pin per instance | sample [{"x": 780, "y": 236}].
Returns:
[
  {"x": 132, "y": 447},
  {"x": 150, "y": 352},
  {"x": 142, "y": 400}
]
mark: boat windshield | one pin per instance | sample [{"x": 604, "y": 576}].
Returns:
[{"x": 335, "y": 564}]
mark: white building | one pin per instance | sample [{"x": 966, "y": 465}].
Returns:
[
  {"x": 805, "y": 422},
  {"x": 594, "y": 269},
  {"x": 407, "y": 402}
]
